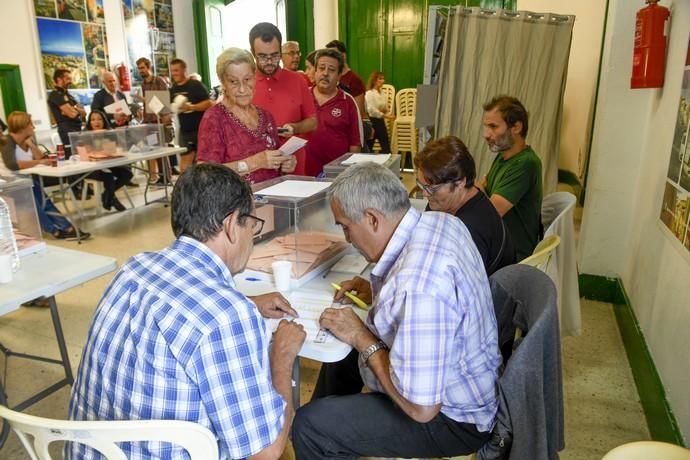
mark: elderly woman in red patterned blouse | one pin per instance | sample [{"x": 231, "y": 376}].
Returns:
[{"x": 235, "y": 132}]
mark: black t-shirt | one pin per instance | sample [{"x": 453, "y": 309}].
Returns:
[
  {"x": 195, "y": 92},
  {"x": 57, "y": 98},
  {"x": 486, "y": 227}
]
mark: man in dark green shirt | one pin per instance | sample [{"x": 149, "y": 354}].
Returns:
[{"x": 514, "y": 182}]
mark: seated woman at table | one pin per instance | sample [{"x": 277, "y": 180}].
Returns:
[
  {"x": 19, "y": 151},
  {"x": 113, "y": 178},
  {"x": 235, "y": 132},
  {"x": 446, "y": 174}
]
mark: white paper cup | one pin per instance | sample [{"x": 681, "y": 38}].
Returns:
[
  {"x": 5, "y": 268},
  {"x": 282, "y": 273}
]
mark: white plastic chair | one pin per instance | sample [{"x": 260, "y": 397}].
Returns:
[
  {"x": 648, "y": 450},
  {"x": 389, "y": 92},
  {"x": 405, "y": 135},
  {"x": 557, "y": 217},
  {"x": 199, "y": 442},
  {"x": 542, "y": 253}
]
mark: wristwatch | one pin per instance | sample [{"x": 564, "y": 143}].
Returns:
[
  {"x": 370, "y": 350},
  {"x": 242, "y": 166}
]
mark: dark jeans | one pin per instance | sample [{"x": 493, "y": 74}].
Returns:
[
  {"x": 112, "y": 181},
  {"x": 381, "y": 134},
  {"x": 371, "y": 425},
  {"x": 48, "y": 216},
  {"x": 353, "y": 424}
]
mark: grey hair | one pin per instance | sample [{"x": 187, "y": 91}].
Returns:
[
  {"x": 369, "y": 186},
  {"x": 233, "y": 56},
  {"x": 288, "y": 43}
]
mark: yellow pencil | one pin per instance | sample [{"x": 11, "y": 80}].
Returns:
[{"x": 359, "y": 302}]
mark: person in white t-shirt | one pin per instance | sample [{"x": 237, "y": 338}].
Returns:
[{"x": 377, "y": 107}]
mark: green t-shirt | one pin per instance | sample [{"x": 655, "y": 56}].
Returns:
[{"x": 519, "y": 181}]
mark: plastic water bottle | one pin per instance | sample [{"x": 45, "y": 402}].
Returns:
[{"x": 8, "y": 245}]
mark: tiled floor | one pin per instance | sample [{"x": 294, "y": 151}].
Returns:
[{"x": 602, "y": 407}]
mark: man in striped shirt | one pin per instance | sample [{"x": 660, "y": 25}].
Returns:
[
  {"x": 173, "y": 338},
  {"x": 428, "y": 350}
]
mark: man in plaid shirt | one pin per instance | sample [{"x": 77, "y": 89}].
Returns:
[
  {"x": 428, "y": 351},
  {"x": 173, "y": 339}
]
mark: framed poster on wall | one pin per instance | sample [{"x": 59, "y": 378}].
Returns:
[{"x": 675, "y": 206}]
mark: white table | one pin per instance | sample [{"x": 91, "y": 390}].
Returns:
[
  {"x": 81, "y": 169},
  {"x": 48, "y": 273},
  {"x": 319, "y": 287}
]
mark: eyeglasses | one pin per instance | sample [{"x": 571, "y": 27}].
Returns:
[
  {"x": 258, "y": 222},
  {"x": 268, "y": 57},
  {"x": 430, "y": 189},
  {"x": 293, "y": 53}
]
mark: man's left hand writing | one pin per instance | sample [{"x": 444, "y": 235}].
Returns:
[
  {"x": 347, "y": 327},
  {"x": 273, "y": 305}
]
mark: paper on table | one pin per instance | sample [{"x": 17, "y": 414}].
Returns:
[
  {"x": 118, "y": 107},
  {"x": 364, "y": 157},
  {"x": 155, "y": 105},
  {"x": 309, "y": 305},
  {"x": 295, "y": 188},
  {"x": 292, "y": 145}
]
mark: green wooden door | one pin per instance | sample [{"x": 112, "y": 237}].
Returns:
[
  {"x": 11, "y": 88},
  {"x": 364, "y": 34},
  {"x": 389, "y": 35},
  {"x": 299, "y": 18}
]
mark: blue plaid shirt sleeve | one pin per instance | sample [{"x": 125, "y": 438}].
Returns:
[
  {"x": 422, "y": 346},
  {"x": 236, "y": 390}
]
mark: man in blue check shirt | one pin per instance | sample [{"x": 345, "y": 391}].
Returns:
[
  {"x": 428, "y": 350},
  {"x": 173, "y": 339}
]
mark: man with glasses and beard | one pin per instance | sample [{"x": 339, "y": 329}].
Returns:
[
  {"x": 173, "y": 339},
  {"x": 514, "y": 182},
  {"x": 282, "y": 93}
]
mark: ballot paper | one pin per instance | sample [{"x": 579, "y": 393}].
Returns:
[
  {"x": 118, "y": 107},
  {"x": 306, "y": 250},
  {"x": 309, "y": 305},
  {"x": 292, "y": 145},
  {"x": 155, "y": 105},
  {"x": 294, "y": 188},
  {"x": 364, "y": 157}
]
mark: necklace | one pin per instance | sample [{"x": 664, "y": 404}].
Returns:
[{"x": 251, "y": 121}]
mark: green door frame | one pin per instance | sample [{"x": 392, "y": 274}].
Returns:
[{"x": 12, "y": 89}]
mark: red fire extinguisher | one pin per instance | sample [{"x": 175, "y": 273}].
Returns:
[
  {"x": 123, "y": 76},
  {"x": 649, "y": 54}
]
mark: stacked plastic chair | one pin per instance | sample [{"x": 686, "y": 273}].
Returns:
[{"x": 405, "y": 135}]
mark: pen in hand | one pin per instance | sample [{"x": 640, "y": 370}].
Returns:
[{"x": 359, "y": 302}]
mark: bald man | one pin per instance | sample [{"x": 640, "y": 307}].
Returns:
[{"x": 108, "y": 95}]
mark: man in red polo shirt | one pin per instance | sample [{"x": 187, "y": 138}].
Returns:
[
  {"x": 281, "y": 92},
  {"x": 340, "y": 126}
]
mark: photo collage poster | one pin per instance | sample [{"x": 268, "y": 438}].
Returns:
[
  {"x": 675, "y": 208},
  {"x": 72, "y": 36},
  {"x": 150, "y": 34}
]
